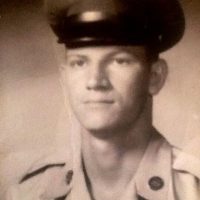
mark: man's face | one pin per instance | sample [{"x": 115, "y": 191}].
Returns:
[{"x": 107, "y": 86}]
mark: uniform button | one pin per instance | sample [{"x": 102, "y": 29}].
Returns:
[
  {"x": 69, "y": 176},
  {"x": 156, "y": 183}
]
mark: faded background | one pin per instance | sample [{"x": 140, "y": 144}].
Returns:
[{"x": 31, "y": 101}]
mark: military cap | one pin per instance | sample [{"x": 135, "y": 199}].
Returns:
[{"x": 157, "y": 23}]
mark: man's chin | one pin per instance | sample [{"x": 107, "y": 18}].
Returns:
[
  {"x": 96, "y": 127},
  {"x": 97, "y": 120},
  {"x": 102, "y": 130},
  {"x": 101, "y": 133}
]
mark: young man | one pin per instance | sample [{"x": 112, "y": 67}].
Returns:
[{"x": 111, "y": 73}]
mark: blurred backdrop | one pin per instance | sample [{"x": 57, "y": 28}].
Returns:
[{"x": 31, "y": 101}]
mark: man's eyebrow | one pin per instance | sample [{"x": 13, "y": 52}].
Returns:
[
  {"x": 124, "y": 52},
  {"x": 75, "y": 55},
  {"x": 120, "y": 53}
]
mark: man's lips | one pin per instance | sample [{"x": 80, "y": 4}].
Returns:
[{"x": 98, "y": 101}]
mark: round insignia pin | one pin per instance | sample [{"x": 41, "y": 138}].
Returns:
[{"x": 156, "y": 183}]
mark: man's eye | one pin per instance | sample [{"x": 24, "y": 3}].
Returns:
[
  {"x": 122, "y": 61},
  {"x": 76, "y": 63}
]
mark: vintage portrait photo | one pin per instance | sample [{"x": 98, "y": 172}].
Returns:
[{"x": 100, "y": 100}]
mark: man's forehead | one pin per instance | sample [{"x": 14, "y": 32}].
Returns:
[{"x": 107, "y": 50}]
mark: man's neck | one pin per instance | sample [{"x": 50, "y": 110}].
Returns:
[{"x": 112, "y": 162}]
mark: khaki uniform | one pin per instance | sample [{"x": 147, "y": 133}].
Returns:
[{"x": 165, "y": 173}]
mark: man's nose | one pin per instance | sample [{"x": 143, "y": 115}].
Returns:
[{"x": 98, "y": 78}]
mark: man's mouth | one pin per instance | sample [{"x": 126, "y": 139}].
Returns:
[{"x": 98, "y": 102}]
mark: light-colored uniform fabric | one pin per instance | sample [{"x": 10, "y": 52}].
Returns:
[{"x": 164, "y": 173}]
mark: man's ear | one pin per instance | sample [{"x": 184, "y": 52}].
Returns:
[{"x": 158, "y": 74}]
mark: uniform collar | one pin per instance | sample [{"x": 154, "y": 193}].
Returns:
[
  {"x": 152, "y": 179},
  {"x": 154, "y": 173}
]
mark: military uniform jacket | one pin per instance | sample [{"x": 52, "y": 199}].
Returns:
[{"x": 164, "y": 173}]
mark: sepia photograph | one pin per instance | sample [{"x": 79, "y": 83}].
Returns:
[{"x": 99, "y": 100}]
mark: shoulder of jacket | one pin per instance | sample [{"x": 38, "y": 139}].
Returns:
[
  {"x": 36, "y": 181},
  {"x": 187, "y": 159},
  {"x": 57, "y": 159}
]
